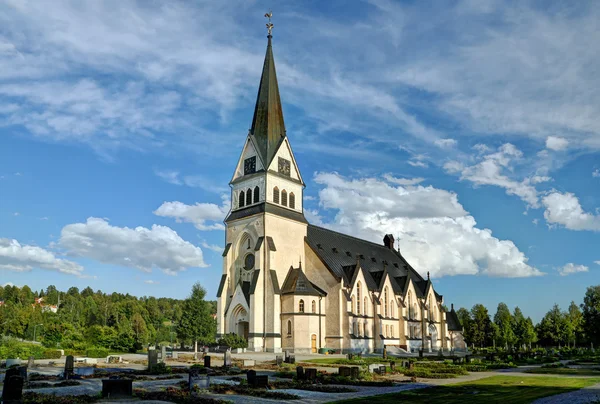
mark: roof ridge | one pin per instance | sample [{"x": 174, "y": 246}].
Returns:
[{"x": 348, "y": 236}]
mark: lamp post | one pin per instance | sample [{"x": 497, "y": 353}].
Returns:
[{"x": 34, "y": 329}]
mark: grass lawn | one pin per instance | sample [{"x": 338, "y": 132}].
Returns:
[
  {"x": 565, "y": 371},
  {"x": 495, "y": 389}
]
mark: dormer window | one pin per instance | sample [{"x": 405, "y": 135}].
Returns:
[{"x": 250, "y": 165}]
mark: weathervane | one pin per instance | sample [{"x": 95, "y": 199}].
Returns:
[{"x": 269, "y": 24}]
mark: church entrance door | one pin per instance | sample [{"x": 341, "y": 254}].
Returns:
[
  {"x": 313, "y": 343},
  {"x": 243, "y": 328},
  {"x": 434, "y": 336}
]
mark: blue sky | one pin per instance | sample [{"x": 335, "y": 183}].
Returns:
[{"x": 469, "y": 129}]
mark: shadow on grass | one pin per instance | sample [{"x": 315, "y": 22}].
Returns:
[{"x": 495, "y": 389}]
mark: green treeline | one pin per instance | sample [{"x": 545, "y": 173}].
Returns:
[
  {"x": 116, "y": 321},
  {"x": 577, "y": 326}
]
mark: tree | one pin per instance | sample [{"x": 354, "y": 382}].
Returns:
[
  {"x": 554, "y": 327},
  {"x": 481, "y": 326},
  {"x": 465, "y": 320},
  {"x": 591, "y": 314},
  {"x": 519, "y": 327},
  {"x": 529, "y": 336},
  {"x": 575, "y": 318},
  {"x": 504, "y": 321},
  {"x": 197, "y": 323}
]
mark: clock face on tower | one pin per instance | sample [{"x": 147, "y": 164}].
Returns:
[
  {"x": 284, "y": 166},
  {"x": 250, "y": 165},
  {"x": 249, "y": 262}
]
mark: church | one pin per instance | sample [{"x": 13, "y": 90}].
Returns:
[{"x": 342, "y": 293}]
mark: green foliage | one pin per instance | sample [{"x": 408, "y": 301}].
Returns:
[
  {"x": 233, "y": 340},
  {"x": 591, "y": 314},
  {"x": 96, "y": 352},
  {"x": 197, "y": 323},
  {"x": 12, "y": 348}
]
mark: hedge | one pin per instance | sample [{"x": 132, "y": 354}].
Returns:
[
  {"x": 96, "y": 353},
  {"x": 11, "y": 348}
]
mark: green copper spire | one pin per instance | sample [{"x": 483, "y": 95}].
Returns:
[{"x": 268, "y": 128}]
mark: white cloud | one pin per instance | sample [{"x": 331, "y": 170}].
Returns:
[
  {"x": 597, "y": 262},
  {"x": 571, "y": 268},
  {"x": 445, "y": 143},
  {"x": 436, "y": 233},
  {"x": 151, "y": 282},
  {"x": 417, "y": 163},
  {"x": 596, "y": 173},
  {"x": 205, "y": 216},
  {"x": 492, "y": 169},
  {"x": 141, "y": 248},
  {"x": 213, "y": 247},
  {"x": 194, "y": 181},
  {"x": 16, "y": 214},
  {"x": 403, "y": 181},
  {"x": 564, "y": 209},
  {"x": 22, "y": 257},
  {"x": 170, "y": 176},
  {"x": 556, "y": 143}
]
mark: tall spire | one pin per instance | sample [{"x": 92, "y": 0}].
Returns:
[{"x": 268, "y": 127}]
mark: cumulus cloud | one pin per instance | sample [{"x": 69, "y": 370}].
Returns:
[
  {"x": 571, "y": 268},
  {"x": 564, "y": 209},
  {"x": 445, "y": 143},
  {"x": 151, "y": 282},
  {"x": 194, "y": 181},
  {"x": 213, "y": 247},
  {"x": 141, "y": 248},
  {"x": 494, "y": 169},
  {"x": 22, "y": 257},
  {"x": 204, "y": 216},
  {"x": 597, "y": 262},
  {"x": 403, "y": 181},
  {"x": 436, "y": 233},
  {"x": 596, "y": 173},
  {"x": 556, "y": 143}
]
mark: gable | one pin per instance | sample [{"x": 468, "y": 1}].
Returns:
[
  {"x": 285, "y": 151},
  {"x": 248, "y": 151}
]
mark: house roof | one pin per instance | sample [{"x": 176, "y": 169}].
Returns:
[
  {"x": 453, "y": 321},
  {"x": 297, "y": 283},
  {"x": 340, "y": 252}
]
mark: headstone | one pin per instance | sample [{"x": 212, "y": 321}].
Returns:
[
  {"x": 152, "y": 359},
  {"x": 384, "y": 352},
  {"x": 91, "y": 361},
  {"x": 12, "y": 391},
  {"x": 393, "y": 366},
  {"x": 300, "y": 373},
  {"x": 30, "y": 362},
  {"x": 350, "y": 356},
  {"x": 116, "y": 388},
  {"x": 292, "y": 359},
  {"x": 251, "y": 377},
  {"x": 287, "y": 355},
  {"x": 411, "y": 365},
  {"x": 227, "y": 359},
  {"x": 262, "y": 381},
  {"x": 23, "y": 372},
  {"x": 374, "y": 368},
  {"x": 248, "y": 363},
  {"x": 354, "y": 372},
  {"x": 207, "y": 361},
  {"x": 198, "y": 380},
  {"x": 163, "y": 353},
  {"x": 174, "y": 355},
  {"x": 344, "y": 371},
  {"x": 69, "y": 367},
  {"x": 382, "y": 370},
  {"x": 279, "y": 360},
  {"x": 310, "y": 374}
]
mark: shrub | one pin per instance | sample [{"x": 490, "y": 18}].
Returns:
[
  {"x": 51, "y": 354},
  {"x": 233, "y": 340},
  {"x": 427, "y": 374},
  {"x": 96, "y": 353}
]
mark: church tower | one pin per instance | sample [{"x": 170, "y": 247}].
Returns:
[{"x": 266, "y": 228}]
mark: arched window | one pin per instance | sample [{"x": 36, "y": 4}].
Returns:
[
  {"x": 385, "y": 302},
  {"x": 301, "y": 306},
  {"x": 242, "y": 199},
  {"x": 387, "y": 331},
  {"x": 415, "y": 313},
  {"x": 392, "y": 309},
  {"x": 256, "y": 194},
  {"x": 352, "y": 303},
  {"x": 410, "y": 308},
  {"x": 366, "y": 307},
  {"x": 284, "y": 197},
  {"x": 314, "y": 306},
  {"x": 249, "y": 197},
  {"x": 354, "y": 331},
  {"x": 275, "y": 195},
  {"x": 366, "y": 328},
  {"x": 358, "y": 298},
  {"x": 292, "y": 200},
  {"x": 392, "y": 331},
  {"x": 289, "y": 333}
]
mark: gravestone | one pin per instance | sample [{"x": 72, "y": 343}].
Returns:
[
  {"x": 251, "y": 377},
  {"x": 374, "y": 368},
  {"x": 344, "y": 371},
  {"x": 384, "y": 352},
  {"x": 382, "y": 370},
  {"x": 30, "y": 362},
  {"x": 227, "y": 359},
  {"x": 69, "y": 367},
  {"x": 248, "y": 363},
  {"x": 207, "y": 361},
  {"x": 163, "y": 353},
  {"x": 292, "y": 359},
  {"x": 350, "y": 356},
  {"x": 300, "y": 373},
  {"x": 198, "y": 380},
  {"x": 23, "y": 372},
  {"x": 117, "y": 388},
  {"x": 393, "y": 366},
  {"x": 152, "y": 359},
  {"x": 354, "y": 372},
  {"x": 12, "y": 391},
  {"x": 310, "y": 374},
  {"x": 174, "y": 355},
  {"x": 262, "y": 381},
  {"x": 411, "y": 365},
  {"x": 279, "y": 360},
  {"x": 287, "y": 356}
]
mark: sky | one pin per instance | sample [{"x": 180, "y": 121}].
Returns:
[{"x": 467, "y": 129}]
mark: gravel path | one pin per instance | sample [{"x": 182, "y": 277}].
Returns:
[{"x": 589, "y": 394}]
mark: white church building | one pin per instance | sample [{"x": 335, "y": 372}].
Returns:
[{"x": 344, "y": 294}]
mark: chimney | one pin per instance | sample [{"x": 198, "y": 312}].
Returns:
[{"x": 388, "y": 241}]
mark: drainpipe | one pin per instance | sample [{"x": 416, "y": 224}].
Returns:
[{"x": 320, "y": 298}]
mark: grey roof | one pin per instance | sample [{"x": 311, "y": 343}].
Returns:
[
  {"x": 453, "y": 321},
  {"x": 339, "y": 252},
  {"x": 297, "y": 283},
  {"x": 265, "y": 207},
  {"x": 221, "y": 284}
]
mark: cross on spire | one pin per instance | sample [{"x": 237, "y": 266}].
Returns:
[{"x": 269, "y": 24}]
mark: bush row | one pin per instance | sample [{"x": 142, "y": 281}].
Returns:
[{"x": 11, "y": 348}]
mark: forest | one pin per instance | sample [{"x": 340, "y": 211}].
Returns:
[{"x": 119, "y": 322}]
